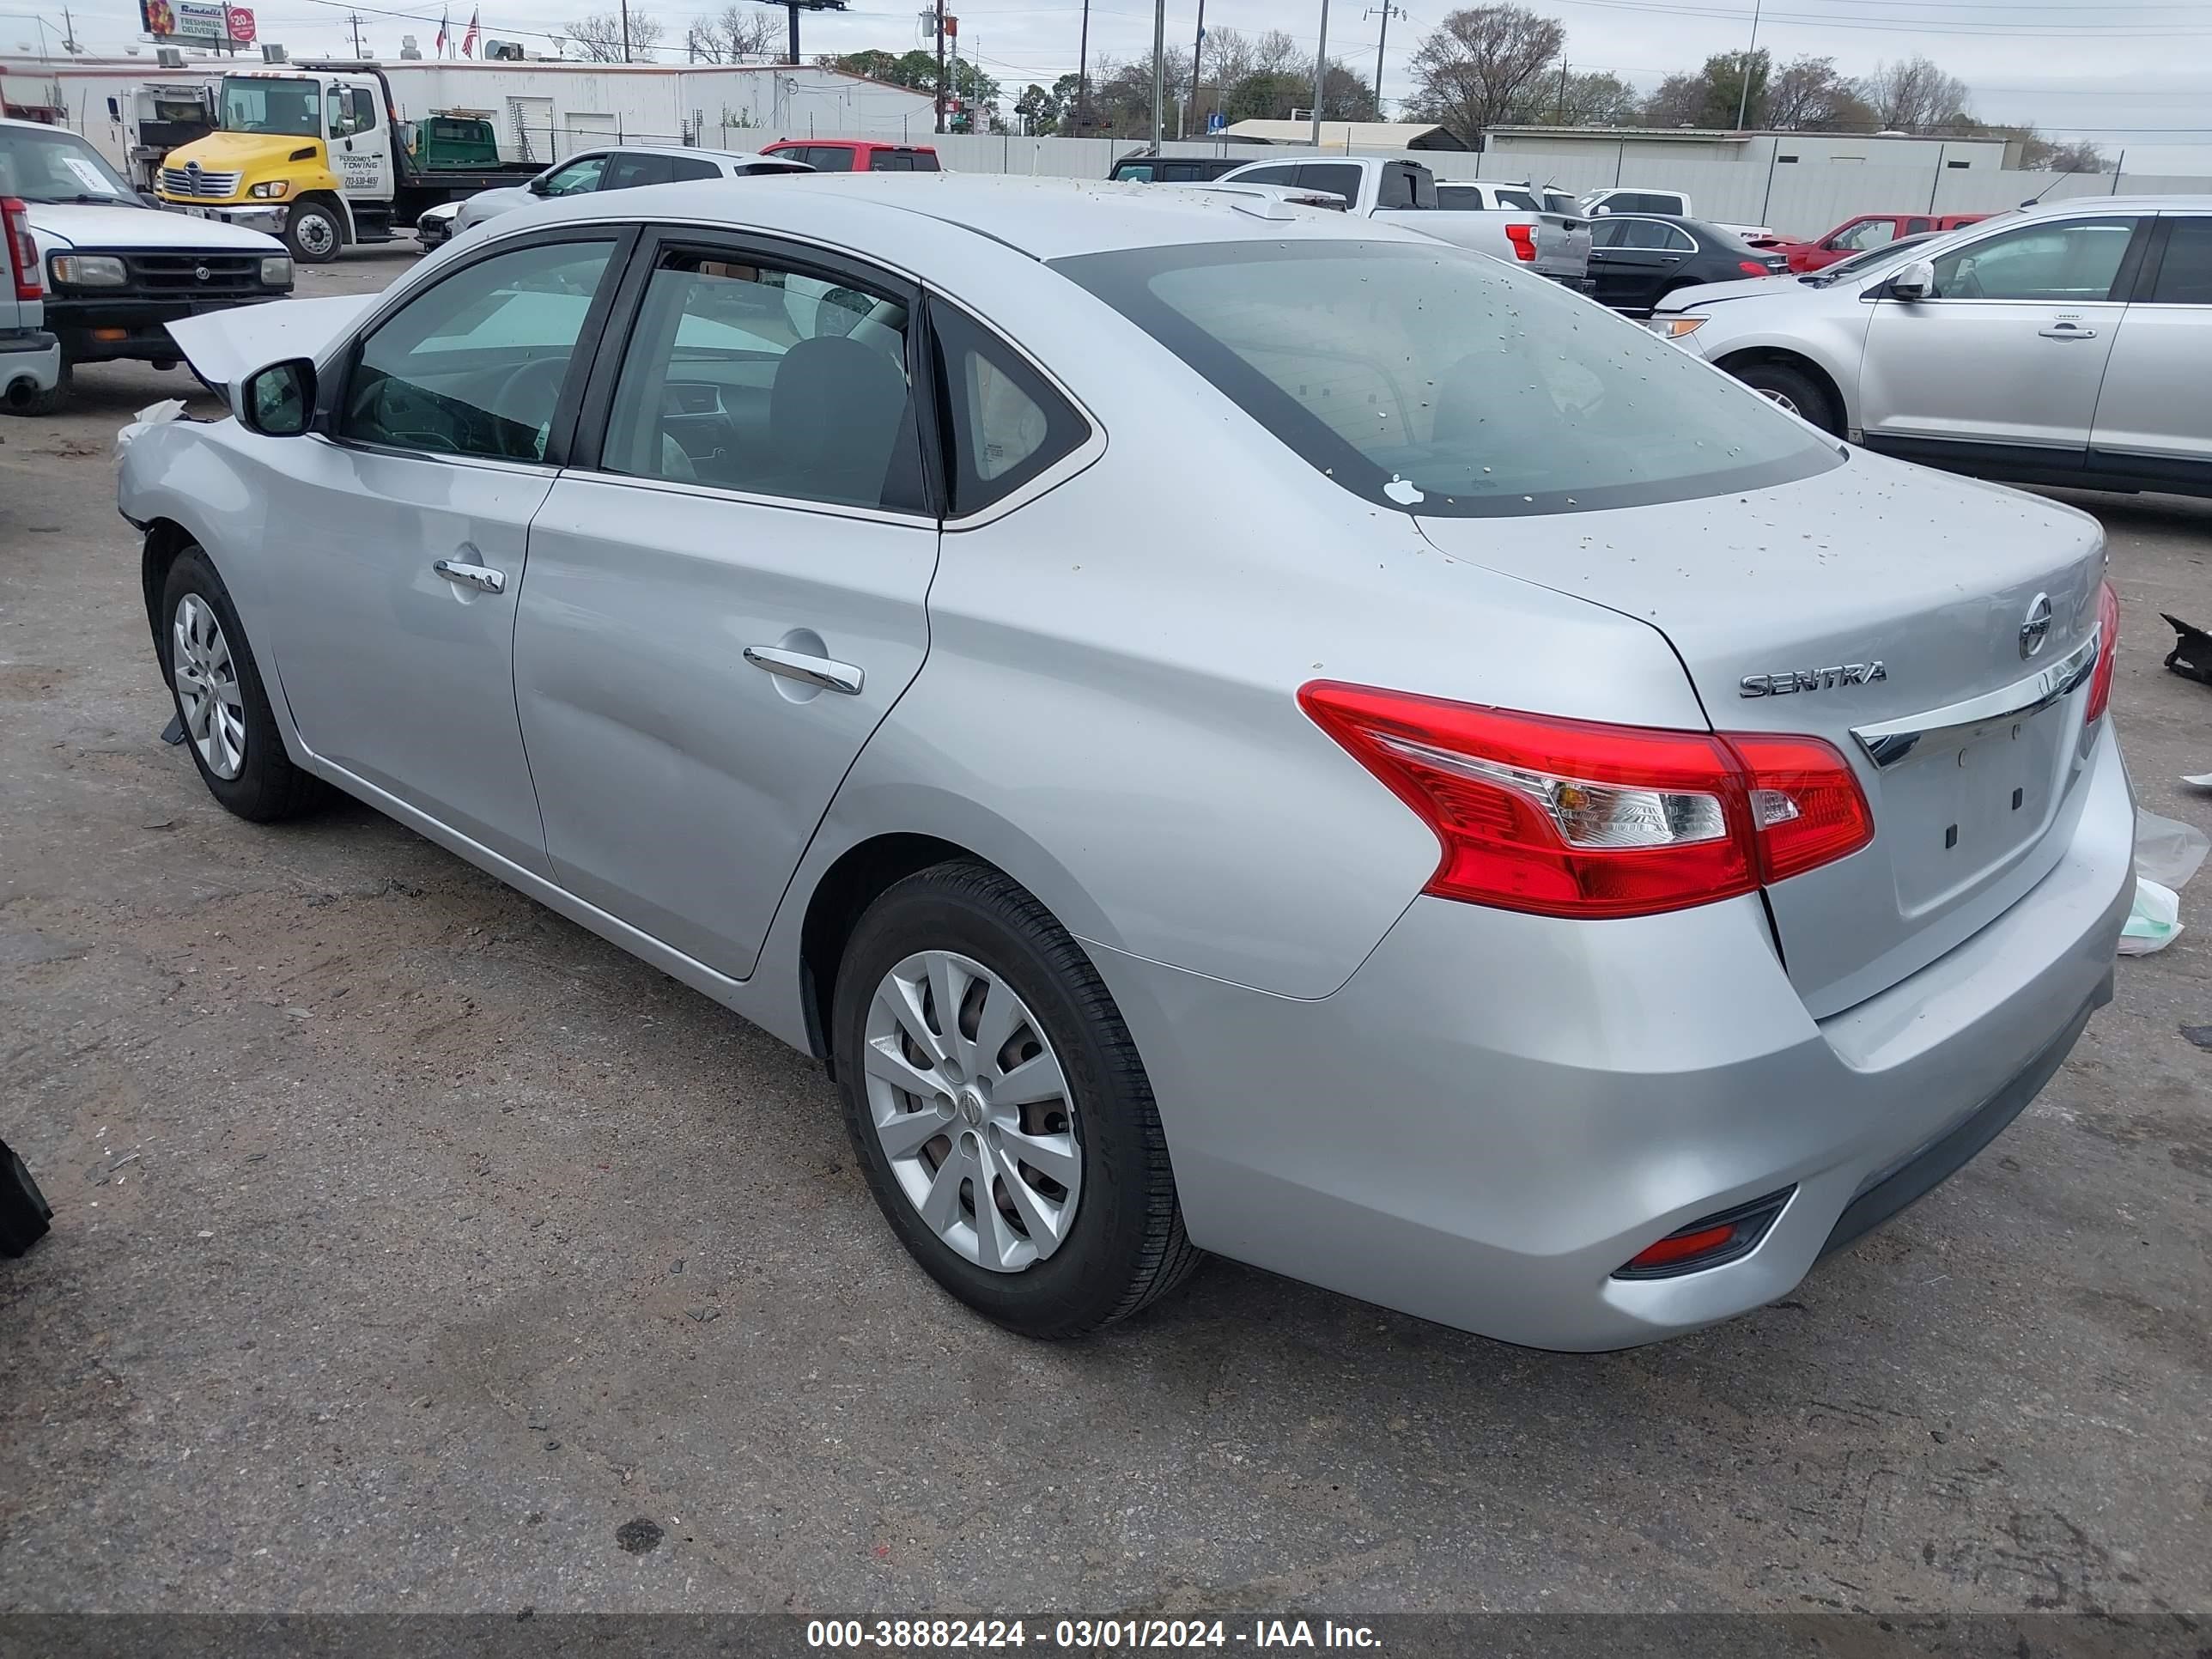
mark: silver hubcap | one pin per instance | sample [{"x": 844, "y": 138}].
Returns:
[
  {"x": 206, "y": 680},
  {"x": 316, "y": 234},
  {"x": 971, "y": 1110},
  {"x": 1779, "y": 401}
]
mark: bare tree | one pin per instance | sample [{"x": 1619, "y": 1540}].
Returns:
[
  {"x": 1470, "y": 72},
  {"x": 1915, "y": 96},
  {"x": 599, "y": 37},
  {"x": 737, "y": 34},
  {"x": 1807, "y": 95},
  {"x": 1589, "y": 98}
]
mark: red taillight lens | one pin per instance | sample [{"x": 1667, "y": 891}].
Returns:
[
  {"x": 2108, "y": 646},
  {"x": 22, "y": 249},
  {"x": 1576, "y": 819},
  {"x": 1754, "y": 268},
  {"x": 1524, "y": 238}
]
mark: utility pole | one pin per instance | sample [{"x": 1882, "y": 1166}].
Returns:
[
  {"x": 1743, "y": 102},
  {"x": 1321, "y": 72},
  {"x": 1159, "y": 70},
  {"x": 1560, "y": 114},
  {"x": 354, "y": 18},
  {"x": 625, "y": 23},
  {"x": 1083, "y": 70},
  {"x": 941, "y": 65},
  {"x": 1385, "y": 11},
  {"x": 68, "y": 34},
  {"x": 1197, "y": 51}
]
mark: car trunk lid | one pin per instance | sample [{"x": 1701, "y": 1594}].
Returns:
[{"x": 1887, "y": 610}]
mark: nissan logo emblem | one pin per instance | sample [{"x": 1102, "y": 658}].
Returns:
[{"x": 2037, "y": 628}]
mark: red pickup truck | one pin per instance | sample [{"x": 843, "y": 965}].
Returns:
[{"x": 1868, "y": 230}]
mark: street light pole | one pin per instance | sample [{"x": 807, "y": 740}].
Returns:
[
  {"x": 1743, "y": 101},
  {"x": 941, "y": 65},
  {"x": 1197, "y": 51},
  {"x": 1159, "y": 70},
  {"x": 1082, "y": 68},
  {"x": 1321, "y": 72}
]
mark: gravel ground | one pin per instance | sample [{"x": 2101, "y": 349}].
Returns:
[{"x": 414, "y": 1249}]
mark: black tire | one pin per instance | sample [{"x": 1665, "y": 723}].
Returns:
[
  {"x": 324, "y": 232},
  {"x": 268, "y": 787},
  {"x": 1799, "y": 390},
  {"x": 24, "y": 1211},
  {"x": 44, "y": 403},
  {"x": 1126, "y": 1247}
]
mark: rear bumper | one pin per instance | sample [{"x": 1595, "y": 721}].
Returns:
[
  {"x": 1498, "y": 1111},
  {"x": 31, "y": 355}
]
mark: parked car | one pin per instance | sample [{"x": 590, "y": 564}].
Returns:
[
  {"x": 433, "y": 227},
  {"x": 2067, "y": 343},
  {"x": 1867, "y": 231},
  {"x": 855, "y": 154},
  {"x": 1636, "y": 259},
  {"x": 630, "y": 167},
  {"x": 1555, "y": 246},
  {"x": 30, "y": 356},
  {"x": 1893, "y": 253},
  {"x": 1220, "y": 786},
  {"x": 116, "y": 267},
  {"x": 1145, "y": 167},
  {"x": 1481, "y": 196},
  {"x": 1669, "y": 203}
]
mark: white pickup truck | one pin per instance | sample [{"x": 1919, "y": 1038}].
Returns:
[
  {"x": 1554, "y": 244},
  {"x": 1672, "y": 203}
]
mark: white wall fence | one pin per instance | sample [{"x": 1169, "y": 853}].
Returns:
[{"x": 1799, "y": 198}]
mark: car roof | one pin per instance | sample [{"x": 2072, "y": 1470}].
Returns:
[
  {"x": 1045, "y": 218},
  {"x": 851, "y": 143},
  {"x": 2118, "y": 204}
]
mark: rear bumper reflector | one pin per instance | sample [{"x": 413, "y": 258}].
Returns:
[{"x": 1708, "y": 1242}]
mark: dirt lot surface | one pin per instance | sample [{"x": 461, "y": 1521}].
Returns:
[{"x": 412, "y": 1247}]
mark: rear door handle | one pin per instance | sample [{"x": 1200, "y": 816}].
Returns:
[
  {"x": 2066, "y": 331},
  {"x": 482, "y": 576},
  {"x": 824, "y": 672}
]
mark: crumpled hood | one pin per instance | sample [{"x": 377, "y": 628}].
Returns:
[
  {"x": 222, "y": 345},
  {"x": 241, "y": 152},
  {"x": 57, "y": 226}
]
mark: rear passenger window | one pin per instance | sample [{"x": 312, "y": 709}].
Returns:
[
  {"x": 1395, "y": 190},
  {"x": 830, "y": 158},
  {"x": 1516, "y": 198},
  {"x": 682, "y": 167},
  {"x": 1286, "y": 173},
  {"x": 1007, "y": 423},
  {"x": 751, "y": 376},
  {"x": 2185, "y": 275},
  {"x": 1343, "y": 181},
  {"x": 628, "y": 171}
]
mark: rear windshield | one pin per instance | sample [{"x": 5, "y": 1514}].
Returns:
[{"x": 1440, "y": 382}]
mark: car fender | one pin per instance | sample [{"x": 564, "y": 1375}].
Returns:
[{"x": 1834, "y": 340}]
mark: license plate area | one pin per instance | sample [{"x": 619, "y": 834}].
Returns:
[{"x": 1968, "y": 802}]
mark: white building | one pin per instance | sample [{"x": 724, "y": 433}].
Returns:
[
  {"x": 1640, "y": 147},
  {"x": 542, "y": 110}
]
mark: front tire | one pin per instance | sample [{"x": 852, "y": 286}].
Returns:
[
  {"x": 999, "y": 1109},
  {"x": 229, "y": 728},
  {"x": 314, "y": 233},
  {"x": 1795, "y": 391}
]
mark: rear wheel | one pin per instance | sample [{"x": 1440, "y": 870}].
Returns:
[
  {"x": 314, "y": 233},
  {"x": 48, "y": 402},
  {"x": 228, "y": 726},
  {"x": 1794, "y": 390},
  {"x": 999, "y": 1109}
]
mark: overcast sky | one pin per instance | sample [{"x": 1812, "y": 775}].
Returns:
[{"x": 2107, "y": 72}]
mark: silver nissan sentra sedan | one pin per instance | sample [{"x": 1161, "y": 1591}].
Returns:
[{"x": 1228, "y": 728}]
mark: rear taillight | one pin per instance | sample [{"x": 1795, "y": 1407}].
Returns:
[
  {"x": 22, "y": 251},
  {"x": 1524, "y": 238},
  {"x": 1574, "y": 818},
  {"x": 1754, "y": 268},
  {"x": 2108, "y": 646}
]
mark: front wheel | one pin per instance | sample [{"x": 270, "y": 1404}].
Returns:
[
  {"x": 221, "y": 701},
  {"x": 1794, "y": 390},
  {"x": 999, "y": 1109},
  {"x": 314, "y": 233}
]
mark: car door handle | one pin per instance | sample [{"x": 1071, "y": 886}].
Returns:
[
  {"x": 481, "y": 576},
  {"x": 2066, "y": 331},
  {"x": 824, "y": 672}
]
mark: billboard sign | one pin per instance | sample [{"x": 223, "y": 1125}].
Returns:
[{"x": 202, "y": 22}]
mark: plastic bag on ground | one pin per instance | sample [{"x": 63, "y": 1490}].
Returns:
[
  {"x": 2154, "y": 918},
  {"x": 2167, "y": 851}
]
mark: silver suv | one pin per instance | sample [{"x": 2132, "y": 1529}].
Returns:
[
  {"x": 2068, "y": 343},
  {"x": 30, "y": 357}
]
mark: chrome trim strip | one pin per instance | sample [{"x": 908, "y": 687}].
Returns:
[{"x": 1887, "y": 742}]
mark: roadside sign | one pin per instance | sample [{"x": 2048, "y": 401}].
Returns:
[
  {"x": 242, "y": 24},
  {"x": 1215, "y": 120}
]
